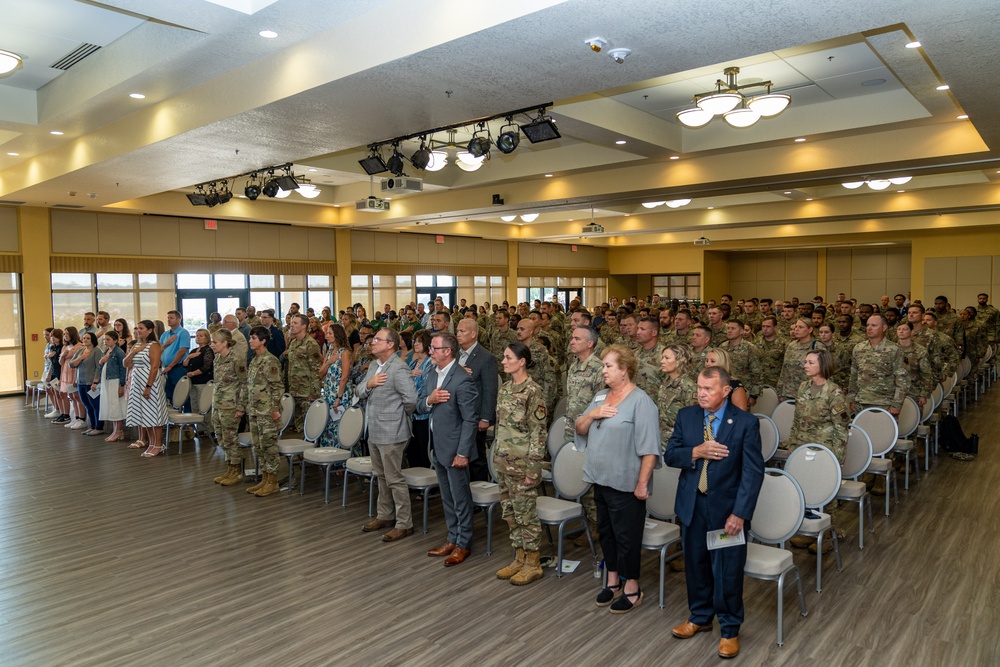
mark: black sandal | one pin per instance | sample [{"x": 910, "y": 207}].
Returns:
[
  {"x": 623, "y": 606},
  {"x": 609, "y": 594}
]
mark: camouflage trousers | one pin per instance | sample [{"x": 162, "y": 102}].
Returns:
[
  {"x": 226, "y": 425},
  {"x": 517, "y": 500},
  {"x": 301, "y": 407},
  {"x": 264, "y": 433}
]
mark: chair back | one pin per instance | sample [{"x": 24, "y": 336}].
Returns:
[
  {"x": 766, "y": 402},
  {"x": 909, "y": 417},
  {"x": 663, "y": 493},
  {"x": 557, "y": 436},
  {"x": 927, "y": 410},
  {"x": 560, "y": 408},
  {"x": 181, "y": 392},
  {"x": 352, "y": 426},
  {"x": 936, "y": 396},
  {"x": 817, "y": 471},
  {"x": 881, "y": 429},
  {"x": 783, "y": 417},
  {"x": 964, "y": 366},
  {"x": 567, "y": 473},
  {"x": 287, "y": 410},
  {"x": 489, "y": 462},
  {"x": 768, "y": 437},
  {"x": 205, "y": 398},
  {"x": 859, "y": 453},
  {"x": 780, "y": 509},
  {"x": 316, "y": 418}
]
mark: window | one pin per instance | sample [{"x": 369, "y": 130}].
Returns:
[
  {"x": 230, "y": 281},
  {"x": 194, "y": 281},
  {"x": 686, "y": 286}
]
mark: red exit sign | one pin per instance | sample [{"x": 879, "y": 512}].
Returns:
[{"x": 212, "y": 224}]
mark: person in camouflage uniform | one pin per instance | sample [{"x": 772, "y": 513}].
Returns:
[
  {"x": 648, "y": 376},
  {"x": 252, "y": 318},
  {"x": 230, "y": 374},
  {"x": 610, "y": 333},
  {"x": 501, "y": 336},
  {"x": 842, "y": 354},
  {"x": 303, "y": 362},
  {"x": 772, "y": 351},
  {"x": 518, "y": 453},
  {"x": 821, "y": 414},
  {"x": 918, "y": 367},
  {"x": 973, "y": 334},
  {"x": 701, "y": 340},
  {"x": 751, "y": 315},
  {"x": 948, "y": 323},
  {"x": 744, "y": 358},
  {"x": 878, "y": 378},
  {"x": 717, "y": 326},
  {"x": 678, "y": 390},
  {"x": 941, "y": 349},
  {"x": 542, "y": 369},
  {"x": 584, "y": 378},
  {"x": 260, "y": 398},
  {"x": 792, "y": 370},
  {"x": 988, "y": 318}
]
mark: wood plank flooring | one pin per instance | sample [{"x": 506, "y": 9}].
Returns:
[{"x": 111, "y": 559}]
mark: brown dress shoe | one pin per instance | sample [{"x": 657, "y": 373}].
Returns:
[
  {"x": 397, "y": 534},
  {"x": 443, "y": 550},
  {"x": 687, "y": 630},
  {"x": 729, "y": 647},
  {"x": 457, "y": 556},
  {"x": 375, "y": 525}
]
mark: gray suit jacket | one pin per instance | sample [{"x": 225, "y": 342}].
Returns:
[
  {"x": 484, "y": 374},
  {"x": 455, "y": 422},
  {"x": 389, "y": 407}
]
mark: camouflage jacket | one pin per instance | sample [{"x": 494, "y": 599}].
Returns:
[
  {"x": 878, "y": 377},
  {"x": 521, "y": 423},
  {"x": 919, "y": 371},
  {"x": 261, "y": 395},
  {"x": 744, "y": 360},
  {"x": 673, "y": 395},
  {"x": 304, "y": 360},
  {"x": 229, "y": 373},
  {"x": 821, "y": 417},
  {"x": 772, "y": 354},
  {"x": 648, "y": 376},
  {"x": 583, "y": 380},
  {"x": 941, "y": 352},
  {"x": 792, "y": 373}
]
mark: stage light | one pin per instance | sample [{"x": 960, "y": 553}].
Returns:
[{"x": 508, "y": 139}]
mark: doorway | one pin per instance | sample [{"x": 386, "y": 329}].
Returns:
[{"x": 197, "y": 304}]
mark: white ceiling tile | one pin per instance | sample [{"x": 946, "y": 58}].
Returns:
[
  {"x": 850, "y": 85},
  {"x": 835, "y": 62}
]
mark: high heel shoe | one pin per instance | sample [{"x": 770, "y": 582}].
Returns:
[
  {"x": 152, "y": 451},
  {"x": 112, "y": 438},
  {"x": 138, "y": 444}
]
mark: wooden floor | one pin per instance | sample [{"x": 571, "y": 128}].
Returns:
[{"x": 111, "y": 559}]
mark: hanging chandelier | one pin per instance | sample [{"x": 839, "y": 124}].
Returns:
[
  {"x": 728, "y": 101},
  {"x": 878, "y": 183}
]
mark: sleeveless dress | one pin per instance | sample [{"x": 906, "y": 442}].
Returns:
[
  {"x": 331, "y": 384},
  {"x": 141, "y": 411}
]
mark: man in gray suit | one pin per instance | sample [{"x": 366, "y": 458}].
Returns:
[
  {"x": 482, "y": 368},
  {"x": 389, "y": 397},
  {"x": 452, "y": 400}
]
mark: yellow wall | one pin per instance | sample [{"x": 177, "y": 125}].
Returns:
[{"x": 36, "y": 284}]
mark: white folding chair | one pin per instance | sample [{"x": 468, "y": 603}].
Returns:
[
  {"x": 486, "y": 496},
  {"x": 567, "y": 478},
  {"x": 190, "y": 419},
  {"x": 768, "y": 436},
  {"x": 312, "y": 430},
  {"x": 766, "y": 402},
  {"x": 856, "y": 461},
  {"x": 660, "y": 532},
  {"x": 421, "y": 479},
  {"x": 555, "y": 441},
  {"x": 881, "y": 429},
  {"x": 783, "y": 417},
  {"x": 907, "y": 422},
  {"x": 777, "y": 516},
  {"x": 352, "y": 426},
  {"x": 817, "y": 471},
  {"x": 287, "y": 410}
]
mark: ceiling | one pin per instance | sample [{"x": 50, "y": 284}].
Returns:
[{"x": 220, "y": 100}]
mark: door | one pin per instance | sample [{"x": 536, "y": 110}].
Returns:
[{"x": 197, "y": 305}]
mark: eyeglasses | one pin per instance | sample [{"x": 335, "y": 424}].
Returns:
[{"x": 440, "y": 348}]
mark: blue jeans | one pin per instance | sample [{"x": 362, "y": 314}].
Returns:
[{"x": 92, "y": 406}]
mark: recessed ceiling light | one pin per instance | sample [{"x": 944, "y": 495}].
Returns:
[
  {"x": 548, "y": 175},
  {"x": 675, "y": 157},
  {"x": 913, "y": 45},
  {"x": 873, "y": 82},
  {"x": 809, "y": 198},
  {"x": 137, "y": 96},
  {"x": 269, "y": 34},
  {"x": 312, "y": 169},
  {"x": 59, "y": 134},
  {"x": 711, "y": 208},
  {"x": 787, "y": 192},
  {"x": 800, "y": 140},
  {"x": 900, "y": 190},
  {"x": 943, "y": 86},
  {"x": 963, "y": 116},
  {"x": 621, "y": 142},
  {"x": 16, "y": 154}
]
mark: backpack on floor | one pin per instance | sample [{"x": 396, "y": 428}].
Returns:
[{"x": 952, "y": 438}]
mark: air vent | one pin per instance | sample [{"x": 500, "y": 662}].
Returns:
[
  {"x": 75, "y": 56},
  {"x": 67, "y": 206}
]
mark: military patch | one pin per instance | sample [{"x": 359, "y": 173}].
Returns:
[
  {"x": 540, "y": 413},
  {"x": 274, "y": 369}
]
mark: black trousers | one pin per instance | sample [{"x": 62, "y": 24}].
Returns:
[
  {"x": 480, "y": 469},
  {"x": 621, "y": 518},
  {"x": 416, "y": 450}
]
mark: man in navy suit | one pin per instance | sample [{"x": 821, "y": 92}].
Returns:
[
  {"x": 482, "y": 368},
  {"x": 451, "y": 398},
  {"x": 721, "y": 474}
]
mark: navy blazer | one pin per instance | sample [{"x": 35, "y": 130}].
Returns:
[
  {"x": 484, "y": 374},
  {"x": 733, "y": 482},
  {"x": 456, "y": 422}
]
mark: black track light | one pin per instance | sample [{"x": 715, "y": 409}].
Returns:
[
  {"x": 212, "y": 198},
  {"x": 541, "y": 129},
  {"x": 197, "y": 198},
  {"x": 421, "y": 157},
  {"x": 225, "y": 196},
  {"x": 270, "y": 188},
  {"x": 373, "y": 164},
  {"x": 252, "y": 189},
  {"x": 287, "y": 181},
  {"x": 479, "y": 145},
  {"x": 509, "y": 137},
  {"x": 395, "y": 162}
]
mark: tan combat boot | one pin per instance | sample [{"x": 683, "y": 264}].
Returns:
[
  {"x": 270, "y": 485},
  {"x": 258, "y": 485},
  {"x": 514, "y": 567},
  {"x": 531, "y": 571},
  {"x": 233, "y": 476}
]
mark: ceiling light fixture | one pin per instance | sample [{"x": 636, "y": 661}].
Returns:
[
  {"x": 10, "y": 62},
  {"x": 800, "y": 140},
  {"x": 677, "y": 203},
  {"x": 541, "y": 129},
  {"x": 421, "y": 157},
  {"x": 395, "y": 162},
  {"x": 878, "y": 183},
  {"x": 197, "y": 198},
  {"x": 529, "y": 217},
  {"x": 913, "y": 45},
  {"x": 268, "y": 34},
  {"x": 479, "y": 145},
  {"x": 373, "y": 164},
  {"x": 270, "y": 188},
  {"x": 508, "y": 218},
  {"x": 964, "y": 116},
  {"x": 252, "y": 189},
  {"x": 943, "y": 86},
  {"x": 56, "y": 133},
  {"x": 728, "y": 101},
  {"x": 308, "y": 190},
  {"x": 281, "y": 194},
  {"x": 508, "y": 139},
  {"x": 652, "y": 204},
  {"x": 287, "y": 181},
  {"x": 439, "y": 160},
  {"x": 137, "y": 96},
  {"x": 466, "y": 161},
  {"x": 621, "y": 142},
  {"x": 13, "y": 154}
]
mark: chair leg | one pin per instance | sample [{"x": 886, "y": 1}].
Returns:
[
  {"x": 819, "y": 562},
  {"x": 326, "y": 484},
  {"x": 489, "y": 528},
  {"x": 343, "y": 500},
  {"x": 916, "y": 463},
  {"x": 781, "y": 607},
  {"x": 371, "y": 500},
  {"x": 559, "y": 549},
  {"x": 426, "y": 493},
  {"x": 663, "y": 567},
  {"x": 895, "y": 486},
  {"x": 836, "y": 549},
  {"x": 861, "y": 523}
]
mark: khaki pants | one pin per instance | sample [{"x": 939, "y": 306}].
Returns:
[{"x": 393, "y": 493}]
